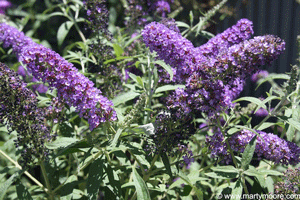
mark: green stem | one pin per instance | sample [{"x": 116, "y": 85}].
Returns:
[
  {"x": 131, "y": 175},
  {"x": 78, "y": 29},
  {"x": 81, "y": 168},
  {"x": 146, "y": 177},
  {"x": 51, "y": 195},
  {"x": 271, "y": 114},
  {"x": 149, "y": 92},
  {"x": 125, "y": 4},
  {"x": 244, "y": 185},
  {"x": 227, "y": 144},
  {"x": 26, "y": 173},
  {"x": 206, "y": 17}
]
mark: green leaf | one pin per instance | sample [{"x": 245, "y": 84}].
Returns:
[
  {"x": 254, "y": 172},
  {"x": 233, "y": 130},
  {"x": 228, "y": 169},
  {"x": 140, "y": 186},
  {"x": 252, "y": 100},
  {"x": 136, "y": 79},
  {"x": 4, "y": 186},
  {"x": 148, "y": 129},
  {"x": 95, "y": 178},
  {"x": 222, "y": 175},
  {"x": 266, "y": 125},
  {"x": 167, "y": 67},
  {"x": 118, "y": 58},
  {"x": 186, "y": 179},
  {"x": 237, "y": 190},
  {"x": 182, "y": 24},
  {"x": 272, "y": 77},
  {"x": 124, "y": 97},
  {"x": 115, "y": 140},
  {"x": 270, "y": 184},
  {"x": 207, "y": 34},
  {"x": 293, "y": 125},
  {"x": 118, "y": 50},
  {"x": 140, "y": 81},
  {"x": 67, "y": 145},
  {"x": 290, "y": 133},
  {"x": 248, "y": 153},
  {"x": 66, "y": 191},
  {"x": 131, "y": 40},
  {"x": 114, "y": 182},
  {"x": 63, "y": 31},
  {"x": 166, "y": 162},
  {"x": 22, "y": 192},
  {"x": 168, "y": 87}
]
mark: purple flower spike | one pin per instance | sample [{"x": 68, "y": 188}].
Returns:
[
  {"x": 244, "y": 58},
  {"x": 268, "y": 146},
  {"x": 73, "y": 87},
  {"x": 261, "y": 112},
  {"x": 3, "y": 5},
  {"x": 174, "y": 49},
  {"x": 162, "y": 7},
  {"x": 11, "y": 37},
  {"x": 234, "y": 35},
  {"x": 259, "y": 75},
  {"x": 20, "y": 113}
]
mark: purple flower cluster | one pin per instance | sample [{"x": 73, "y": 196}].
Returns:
[
  {"x": 171, "y": 132},
  {"x": 290, "y": 184},
  {"x": 268, "y": 146},
  {"x": 261, "y": 112},
  {"x": 19, "y": 111},
  {"x": 11, "y": 37},
  {"x": 3, "y": 5},
  {"x": 222, "y": 41},
  {"x": 214, "y": 74},
  {"x": 98, "y": 17},
  {"x": 41, "y": 88},
  {"x": 137, "y": 10},
  {"x": 162, "y": 8},
  {"x": 259, "y": 75},
  {"x": 73, "y": 88}
]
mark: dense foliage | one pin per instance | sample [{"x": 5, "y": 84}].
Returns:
[{"x": 127, "y": 99}]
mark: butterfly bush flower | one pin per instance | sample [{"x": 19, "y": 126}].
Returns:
[
  {"x": 98, "y": 15},
  {"x": 259, "y": 75},
  {"x": 174, "y": 49},
  {"x": 215, "y": 73},
  {"x": 170, "y": 135},
  {"x": 20, "y": 113},
  {"x": 243, "y": 30},
  {"x": 11, "y": 37},
  {"x": 290, "y": 183},
  {"x": 73, "y": 87},
  {"x": 162, "y": 7},
  {"x": 41, "y": 88},
  {"x": 261, "y": 112},
  {"x": 268, "y": 146},
  {"x": 4, "y": 5},
  {"x": 138, "y": 10},
  {"x": 170, "y": 23}
]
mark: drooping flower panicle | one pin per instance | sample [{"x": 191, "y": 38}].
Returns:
[
  {"x": 4, "y": 4},
  {"x": 268, "y": 146},
  {"x": 20, "y": 113},
  {"x": 73, "y": 87},
  {"x": 214, "y": 74},
  {"x": 243, "y": 30}
]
